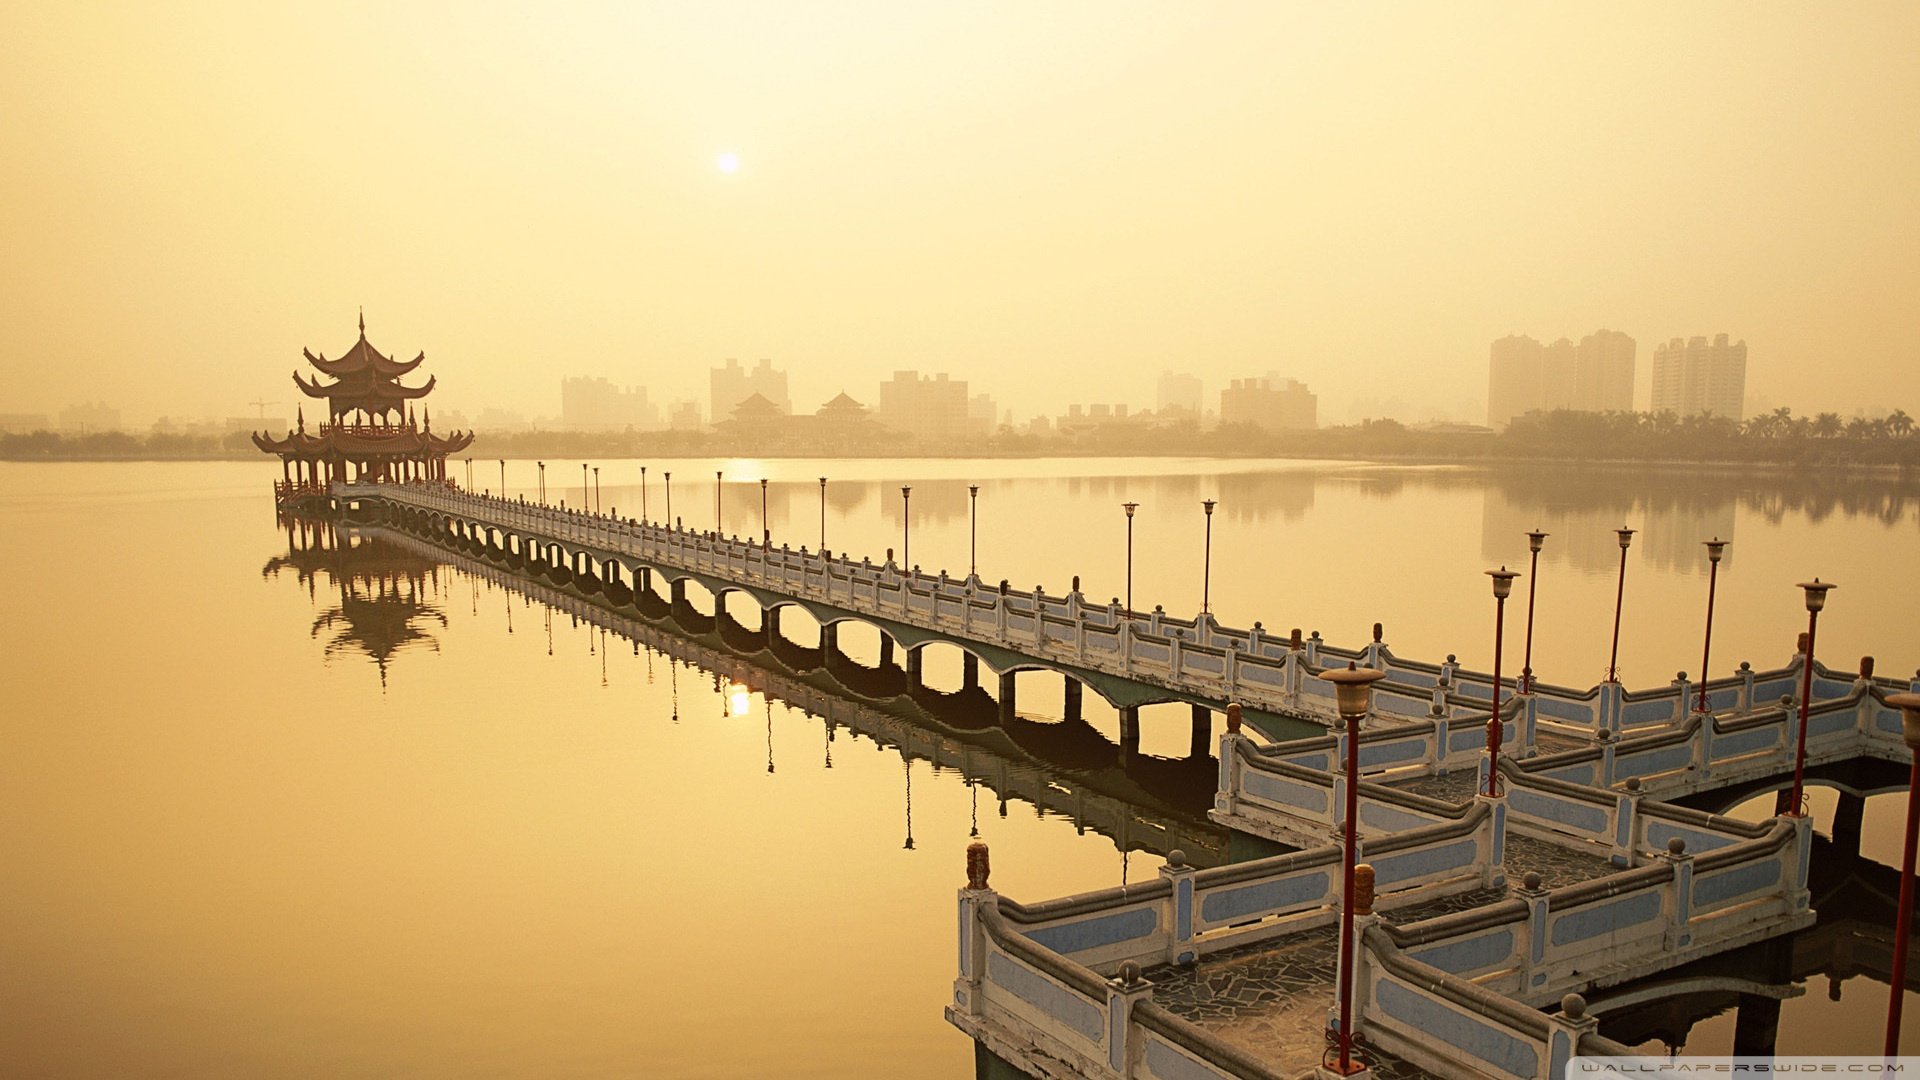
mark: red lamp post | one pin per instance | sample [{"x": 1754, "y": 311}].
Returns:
[
  {"x": 643, "y": 495},
  {"x": 766, "y": 533},
  {"x": 1129, "y": 507},
  {"x": 1716, "y": 547},
  {"x": 1535, "y": 541},
  {"x": 973, "y": 530},
  {"x": 906, "y": 527},
  {"x": 718, "y": 481},
  {"x": 1909, "y": 706},
  {"x": 1816, "y": 591},
  {"x": 668, "y": 476},
  {"x": 1620, "y": 594},
  {"x": 823, "y": 515},
  {"x": 1353, "y": 693},
  {"x": 1502, "y": 588},
  {"x": 1206, "y": 572}
]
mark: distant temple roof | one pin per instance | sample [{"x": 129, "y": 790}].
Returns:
[
  {"x": 757, "y": 407},
  {"x": 842, "y": 405}
]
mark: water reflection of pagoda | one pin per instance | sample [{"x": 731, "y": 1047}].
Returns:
[
  {"x": 383, "y": 591},
  {"x": 370, "y": 432}
]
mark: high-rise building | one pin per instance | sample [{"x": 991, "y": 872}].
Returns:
[
  {"x": 931, "y": 408},
  {"x": 1179, "y": 392},
  {"x": 1272, "y": 403},
  {"x": 734, "y": 384},
  {"x": 1525, "y": 376},
  {"x": 598, "y": 405},
  {"x": 1693, "y": 376},
  {"x": 88, "y": 419}
]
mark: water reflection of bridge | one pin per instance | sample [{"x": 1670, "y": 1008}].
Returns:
[{"x": 1140, "y": 802}]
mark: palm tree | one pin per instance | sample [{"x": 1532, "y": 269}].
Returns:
[
  {"x": 1899, "y": 424},
  {"x": 1827, "y": 425}
]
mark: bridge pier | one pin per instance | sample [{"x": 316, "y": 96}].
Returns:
[
  {"x": 1847, "y": 815},
  {"x": 1074, "y": 689},
  {"x": 886, "y": 649},
  {"x": 1008, "y": 702},
  {"x": 1129, "y": 729},
  {"x": 679, "y": 590},
  {"x": 1202, "y": 742},
  {"x": 1756, "y": 1025},
  {"x": 969, "y": 672},
  {"x": 771, "y": 617},
  {"x": 913, "y": 668},
  {"x": 829, "y": 643},
  {"x": 645, "y": 579}
]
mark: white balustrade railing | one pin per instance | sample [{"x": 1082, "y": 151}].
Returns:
[{"x": 1197, "y": 658}]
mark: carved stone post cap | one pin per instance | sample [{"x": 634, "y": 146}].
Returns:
[
  {"x": 1233, "y": 718},
  {"x": 1363, "y": 889},
  {"x": 977, "y": 865},
  {"x": 1574, "y": 1007}
]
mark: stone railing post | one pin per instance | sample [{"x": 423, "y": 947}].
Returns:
[
  {"x": 1626, "y": 815},
  {"x": 1799, "y": 897},
  {"x": 1363, "y": 918},
  {"x": 1313, "y": 649},
  {"x": 1680, "y": 896},
  {"x": 1442, "y": 736},
  {"x": 1123, "y": 993},
  {"x": 1605, "y": 737},
  {"x": 1375, "y": 647},
  {"x": 1493, "y": 872},
  {"x": 1683, "y": 702},
  {"x": 1564, "y": 1031},
  {"x": 1226, "y": 795},
  {"x": 1447, "y": 668},
  {"x": 1180, "y": 876},
  {"x": 973, "y": 939},
  {"x": 1533, "y": 950}
]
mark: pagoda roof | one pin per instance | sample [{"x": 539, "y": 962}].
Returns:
[
  {"x": 364, "y": 378},
  {"x": 340, "y": 441}
]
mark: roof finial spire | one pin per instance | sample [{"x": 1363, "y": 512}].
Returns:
[{"x": 363, "y": 322}]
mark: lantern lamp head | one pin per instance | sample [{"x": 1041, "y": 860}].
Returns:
[
  {"x": 1716, "y": 547},
  {"x": 1130, "y": 507},
  {"x": 1353, "y": 688},
  {"x": 1909, "y": 706},
  {"x": 1536, "y": 540},
  {"x": 1816, "y": 591},
  {"x": 1626, "y": 536},
  {"x": 1502, "y": 582}
]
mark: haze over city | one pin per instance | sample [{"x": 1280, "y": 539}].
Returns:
[{"x": 1056, "y": 205}]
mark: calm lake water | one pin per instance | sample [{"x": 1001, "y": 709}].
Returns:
[{"x": 255, "y": 825}]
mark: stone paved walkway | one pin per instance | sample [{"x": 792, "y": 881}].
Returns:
[{"x": 1271, "y": 999}]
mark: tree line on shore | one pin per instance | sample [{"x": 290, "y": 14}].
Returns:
[{"x": 1778, "y": 438}]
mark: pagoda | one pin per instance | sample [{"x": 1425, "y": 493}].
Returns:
[{"x": 370, "y": 433}]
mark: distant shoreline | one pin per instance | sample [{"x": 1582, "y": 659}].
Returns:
[{"x": 1887, "y": 470}]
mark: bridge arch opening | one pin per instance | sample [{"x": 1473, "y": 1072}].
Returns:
[
  {"x": 741, "y": 606},
  {"x": 699, "y": 598},
  {"x": 797, "y": 625}
]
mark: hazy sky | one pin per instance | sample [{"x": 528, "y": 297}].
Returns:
[{"x": 1055, "y": 201}]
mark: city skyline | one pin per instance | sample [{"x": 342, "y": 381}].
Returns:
[{"x": 908, "y": 189}]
